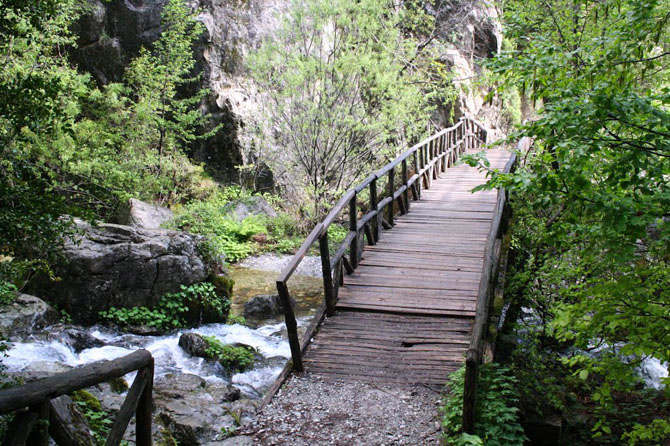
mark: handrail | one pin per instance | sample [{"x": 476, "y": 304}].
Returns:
[
  {"x": 40, "y": 398},
  {"x": 487, "y": 285},
  {"x": 429, "y": 158}
]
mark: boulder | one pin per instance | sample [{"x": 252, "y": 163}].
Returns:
[
  {"x": 255, "y": 205},
  {"x": 74, "y": 338},
  {"x": 66, "y": 422},
  {"x": 193, "y": 344},
  {"x": 194, "y": 410},
  {"x": 25, "y": 315},
  {"x": 139, "y": 214},
  {"x": 121, "y": 266},
  {"x": 264, "y": 306}
]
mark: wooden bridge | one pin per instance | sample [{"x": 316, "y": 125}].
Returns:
[{"x": 412, "y": 305}]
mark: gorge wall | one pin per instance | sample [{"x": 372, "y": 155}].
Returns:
[{"x": 111, "y": 33}]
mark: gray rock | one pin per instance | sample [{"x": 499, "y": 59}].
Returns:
[
  {"x": 144, "y": 215},
  {"x": 121, "y": 266},
  {"x": 240, "y": 440},
  {"x": 74, "y": 338},
  {"x": 25, "y": 315},
  {"x": 68, "y": 423},
  {"x": 255, "y": 205},
  {"x": 192, "y": 409},
  {"x": 264, "y": 306},
  {"x": 193, "y": 344}
]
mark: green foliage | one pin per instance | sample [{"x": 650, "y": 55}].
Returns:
[
  {"x": 7, "y": 292},
  {"x": 70, "y": 148},
  {"x": 496, "y": 411},
  {"x": 658, "y": 432},
  {"x": 172, "y": 309},
  {"x": 592, "y": 248},
  {"x": 98, "y": 419},
  {"x": 234, "y": 319},
  {"x": 225, "y": 236},
  {"x": 342, "y": 95},
  {"x": 234, "y": 359}
]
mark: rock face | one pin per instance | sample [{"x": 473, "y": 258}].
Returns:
[
  {"x": 144, "y": 215},
  {"x": 112, "y": 33},
  {"x": 264, "y": 306},
  {"x": 25, "y": 314},
  {"x": 120, "y": 266}
]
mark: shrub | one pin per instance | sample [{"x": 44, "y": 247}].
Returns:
[
  {"x": 234, "y": 359},
  {"x": 191, "y": 305},
  {"x": 496, "y": 411}
]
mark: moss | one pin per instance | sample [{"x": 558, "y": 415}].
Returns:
[
  {"x": 119, "y": 385},
  {"x": 223, "y": 285},
  {"x": 87, "y": 399},
  {"x": 498, "y": 304}
]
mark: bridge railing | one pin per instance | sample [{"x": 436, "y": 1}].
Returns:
[
  {"x": 44, "y": 415},
  {"x": 417, "y": 167},
  {"x": 487, "y": 286}
]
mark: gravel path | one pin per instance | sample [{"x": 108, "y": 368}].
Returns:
[{"x": 309, "y": 411}]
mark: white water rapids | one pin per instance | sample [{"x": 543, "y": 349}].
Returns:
[{"x": 169, "y": 357}]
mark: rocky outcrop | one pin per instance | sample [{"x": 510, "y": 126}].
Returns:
[
  {"x": 25, "y": 315},
  {"x": 120, "y": 266},
  {"x": 139, "y": 214},
  {"x": 112, "y": 33}
]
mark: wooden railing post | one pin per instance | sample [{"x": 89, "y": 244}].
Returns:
[
  {"x": 373, "y": 206},
  {"x": 291, "y": 326},
  {"x": 417, "y": 184},
  {"x": 470, "y": 391},
  {"x": 405, "y": 194},
  {"x": 353, "y": 226},
  {"x": 391, "y": 190},
  {"x": 328, "y": 290},
  {"x": 143, "y": 416}
]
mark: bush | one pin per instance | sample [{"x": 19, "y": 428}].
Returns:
[
  {"x": 234, "y": 359},
  {"x": 225, "y": 237},
  {"x": 194, "y": 303},
  {"x": 496, "y": 411}
]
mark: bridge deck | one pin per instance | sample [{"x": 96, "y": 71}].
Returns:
[{"x": 406, "y": 314}]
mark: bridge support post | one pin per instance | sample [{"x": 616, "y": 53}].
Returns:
[
  {"x": 327, "y": 274},
  {"x": 353, "y": 226},
  {"x": 291, "y": 326},
  {"x": 373, "y": 206},
  {"x": 470, "y": 391},
  {"x": 405, "y": 194}
]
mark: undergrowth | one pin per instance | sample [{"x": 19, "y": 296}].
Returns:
[
  {"x": 98, "y": 419},
  {"x": 234, "y": 359},
  {"x": 173, "y": 309},
  {"x": 496, "y": 409}
]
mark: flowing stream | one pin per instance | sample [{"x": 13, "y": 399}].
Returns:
[{"x": 268, "y": 337}]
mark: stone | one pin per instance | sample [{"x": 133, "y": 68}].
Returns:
[
  {"x": 193, "y": 410},
  {"x": 139, "y": 214},
  {"x": 25, "y": 315},
  {"x": 67, "y": 422},
  {"x": 74, "y": 338},
  {"x": 193, "y": 344},
  {"x": 121, "y": 266},
  {"x": 256, "y": 205},
  {"x": 264, "y": 306}
]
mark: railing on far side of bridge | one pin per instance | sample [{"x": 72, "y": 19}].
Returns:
[
  {"x": 489, "y": 278},
  {"x": 417, "y": 166},
  {"x": 44, "y": 417}
]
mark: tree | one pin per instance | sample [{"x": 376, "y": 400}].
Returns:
[
  {"x": 340, "y": 95},
  {"x": 594, "y": 241},
  {"x": 72, "y": 149}
]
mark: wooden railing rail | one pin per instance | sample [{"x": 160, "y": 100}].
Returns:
[
  {"x": 38, "y": 410},
  {"x": 418, "y": 166},
  {"x": 487, "y": 285}
]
